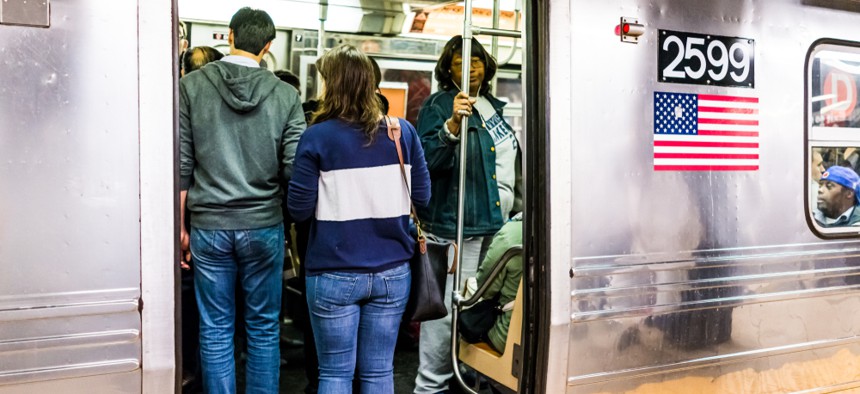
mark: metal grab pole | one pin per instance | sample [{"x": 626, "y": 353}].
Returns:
[
  {"x": 461, "y": 196},
  {"x": 321, "y": 41},
  {"x": 494, "y": 47}
]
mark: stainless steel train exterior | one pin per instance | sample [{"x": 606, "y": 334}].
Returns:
[
  {"x": 640, "y": 280},
  {"x": 690, "y": 281},
  {"x": 86, "y": 197}
]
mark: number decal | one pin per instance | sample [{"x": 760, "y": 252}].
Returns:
[
  {"x": 706, "y": 59},
  {"x": 722, "y": 62},
  {"x": 695, "y": 53},
  {"x": 743, "y": 64},
  {"x": 670, "y": 71}
]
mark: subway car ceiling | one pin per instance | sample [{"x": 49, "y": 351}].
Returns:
[{"x": 420, "y": 27}]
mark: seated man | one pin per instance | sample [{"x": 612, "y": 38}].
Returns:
[
  {"x": 508, "y": 280},
  {"x": 837, "y": 198}
]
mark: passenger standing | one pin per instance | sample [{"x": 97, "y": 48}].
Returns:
[
  {"x": 492, "y": 184},
  {"x": 191, "y": 60},
  {"x": 197, "y": 57},
  {"x": 347, "y": 178},
  {"x": 239, "y": 126}
]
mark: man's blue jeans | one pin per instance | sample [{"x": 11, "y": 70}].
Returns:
[
  {"x": 355, "y": 318},
  {"x": 256, "y": 259}
]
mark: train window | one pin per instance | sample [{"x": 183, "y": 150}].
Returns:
[
  {"x": 509, "y": 87},
  {"x": 833, "y": 138}
]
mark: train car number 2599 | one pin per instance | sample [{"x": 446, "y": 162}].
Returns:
[{"x": 705, "y": 59}]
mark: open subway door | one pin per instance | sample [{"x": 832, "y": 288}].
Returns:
[
  {"x": 86, "y": 197},
  {"x": 505, "y": 368}
]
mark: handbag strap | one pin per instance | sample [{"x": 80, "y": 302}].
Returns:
[{"x": 394, "y": 134}]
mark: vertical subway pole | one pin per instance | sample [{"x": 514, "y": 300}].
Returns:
[
  {"x": 461, "y": 195},
  {"x": 321, "y": 42},
  {"x": 494, "y": 47},
  {"x": 464, "y": 135}
]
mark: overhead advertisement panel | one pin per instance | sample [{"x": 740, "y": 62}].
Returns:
[{"x": 834, "y": 84}]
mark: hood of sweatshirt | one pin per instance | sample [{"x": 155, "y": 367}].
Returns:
[{"x": 242, "y": 88}]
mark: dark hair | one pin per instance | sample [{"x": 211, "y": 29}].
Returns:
[
  {"x": 377, "y": 73},
  {"x": 252, "y": 30},
  {"x": 197, "y": 57},
  {"x": 454, "y": 46},
  {"x": 290, "y": 78},
  {"x": 350, "y": 90}
]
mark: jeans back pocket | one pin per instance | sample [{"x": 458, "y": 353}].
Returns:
[{"x": 334, "y": 290}]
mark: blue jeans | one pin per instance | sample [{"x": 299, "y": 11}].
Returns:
[
  {"x": 256, "y": 259},
  {"x": 355, "y": 319}
]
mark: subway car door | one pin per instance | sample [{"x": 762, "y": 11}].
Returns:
[{"x": 72, "y": 181}]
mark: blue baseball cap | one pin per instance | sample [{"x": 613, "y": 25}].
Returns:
[{"x": 843, "y": 176}]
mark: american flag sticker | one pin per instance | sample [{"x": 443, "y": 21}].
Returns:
[{"x": 705, "y": 132}]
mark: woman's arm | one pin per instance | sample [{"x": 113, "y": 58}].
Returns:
[
  {"x": 420, "y": 175},
  {"x": 302, "y": 199}
]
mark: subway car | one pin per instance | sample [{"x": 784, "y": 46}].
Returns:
[{"x": 679, "y": 235}]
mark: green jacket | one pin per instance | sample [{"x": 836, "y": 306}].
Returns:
[
  {"x": 239, "y": 127},
  {"x": 508, "y": 281},
  {"x": 483, "y": 216}
]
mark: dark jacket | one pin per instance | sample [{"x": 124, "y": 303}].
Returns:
[
  {"x": 852, "y": 219},
  {"x": 238, "y": 127},
  {"x": 483, "y": 215}
]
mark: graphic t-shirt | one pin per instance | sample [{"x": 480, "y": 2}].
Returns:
[{"x": 506, "y": 152}]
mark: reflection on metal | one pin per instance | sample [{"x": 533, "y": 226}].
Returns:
[
  {"x": 68, "y": 371},
  {"x": 477, "y": 30},
  {"x": 818, "y": 371},
  {"x": 35, "y": 13},
  {"x": 47, "y": 312},
  {"x": 680, "y": 280},
  {"x": 70, "y": 193},
  {"x": 64, "y": 356},
  {"x": 710, "y": 360},
  {"x": 123, "y": 382},
  {"x": 85, "y": 339}
]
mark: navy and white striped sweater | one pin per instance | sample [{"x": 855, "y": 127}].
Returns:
[{"x": 356, "y": 194}]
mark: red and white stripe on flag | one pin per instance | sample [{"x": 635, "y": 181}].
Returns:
[{"x": 705, "y": 132}]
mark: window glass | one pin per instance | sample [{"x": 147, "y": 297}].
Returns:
[
  {"x": 832, "y": 182},
  {"x": 835, "y": 78},
  {"x": 833, "y": 186},
  {"x": 509, "y": 88}
]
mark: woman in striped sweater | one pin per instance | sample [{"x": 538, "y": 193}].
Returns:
[{"x": 347, "y": 178}]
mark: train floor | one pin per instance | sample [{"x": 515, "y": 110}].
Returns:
[{"x": 294, "y": 381}]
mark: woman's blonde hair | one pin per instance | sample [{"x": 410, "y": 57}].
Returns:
[{"x": 350, "y": 90}]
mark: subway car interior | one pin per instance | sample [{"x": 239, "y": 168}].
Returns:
[{"x": 405, "y": 38}]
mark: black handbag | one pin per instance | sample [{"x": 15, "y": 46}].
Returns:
[
  {"x": 476, "y": 322},
  {"x": 429, "y": 266},
  {"x": 429, "y": 262}
]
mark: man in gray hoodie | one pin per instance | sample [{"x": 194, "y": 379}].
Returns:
[{"x": 239, "y": 126}]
